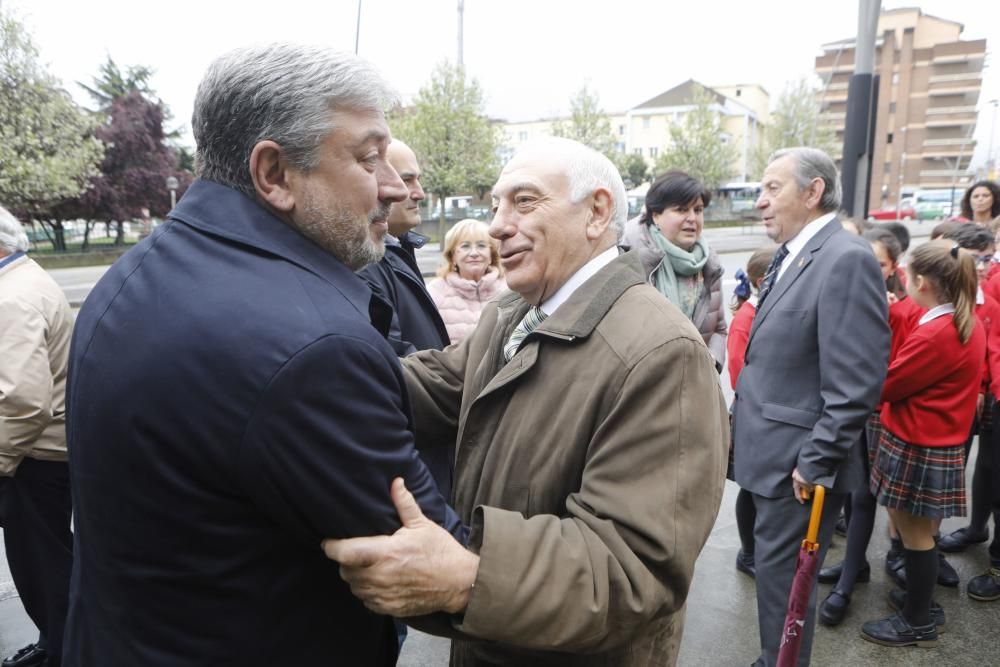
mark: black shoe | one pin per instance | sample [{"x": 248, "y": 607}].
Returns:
[
  {"x": 959, "y": 540},
  {"x": 896, "y": 631},
  {"x": 897, "y": 599},
  {"x": 831, "y": 575},
  {"x": 745, "y": 564},
  {"x": 841, "y": 526},
  {"x": 946, "y": 573},
  {"x": 895, "y": 567},
  {"x": 29, "y": 656},
  {"x": 833, "y": 609},
  {"x": 985, "y": 587}
]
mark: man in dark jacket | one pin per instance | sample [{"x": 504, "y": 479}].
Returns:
[
  {"x": 232, "y": 399},
  {"x": 417, "y": 325}
]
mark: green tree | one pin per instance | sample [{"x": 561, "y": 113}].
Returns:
[
  {"x": 794, "y": 122},
  {"x": 48, "y": 151},
  {"x": 454, "y": 140},
  {"x": 696, "y": 145},
  {"x": 111, "y": 83},
  {"x": 587, "y": 123},
  {"x": 632, "y": 167}
]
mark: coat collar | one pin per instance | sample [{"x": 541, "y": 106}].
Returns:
[
  {"x": 222, "y": 211},
  {"x": 580, "y": 314},
  {"x": 799, "y": 264}
]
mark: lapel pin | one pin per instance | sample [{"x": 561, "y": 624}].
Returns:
[{"x": 802, "y": 260}]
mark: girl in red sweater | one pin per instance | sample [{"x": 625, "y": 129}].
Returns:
[
  {"x": 744, "y": 308},
  {"x": 929, "y": 402},
  {"x": 860, "y": 509}
]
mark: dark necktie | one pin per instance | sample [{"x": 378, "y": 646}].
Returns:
[{"x": 771, "y": 276}]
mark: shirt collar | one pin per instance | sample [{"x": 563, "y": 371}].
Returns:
[
  {"x": 799, "y": 241},
  {"x": 980, "y": 296},
  {"x": 581, "y": 276},
  {"x": 936, "y": 312},
  {"x": 10, "y": 259}
]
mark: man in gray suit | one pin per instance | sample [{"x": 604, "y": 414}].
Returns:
[{"x": 815, "y": 363}]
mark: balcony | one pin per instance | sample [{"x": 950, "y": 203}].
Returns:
[
  {"x": 949, "y": 58},
  {"x": 963, "y": 90},
  {"x": 949, "y": 141},
  {"x": 964, "y": 76},
  {"x": 940, "y": 111}
]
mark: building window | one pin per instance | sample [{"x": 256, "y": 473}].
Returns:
[
  {"x": 895, "y": 78},
  {"x": 738, "y": 91},
  {"x": 522, "y": 136},
  {"x": 638, "y": 151},
  {"x": 653, "y": 152},
  {"x": 892, "y": 107},
  {"x": 888, "y": 168},
  {"x": 645, "y": 122},
  {"x": 888, "y": 138},
  {"x": 621, "y": 130},
  {"x": 621, "y": 146}
]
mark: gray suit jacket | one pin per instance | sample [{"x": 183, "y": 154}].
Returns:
[{"x": 815, "y": 363}]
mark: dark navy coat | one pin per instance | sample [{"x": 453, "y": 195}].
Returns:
[
  {"x": 230, "y": 405},
  {"x": 396, "y": 277}
]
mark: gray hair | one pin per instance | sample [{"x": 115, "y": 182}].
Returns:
[
  {"x": 12, "y": 235},
  {"x": 586, "y": 170},
  {"x": 285, "y": 93},
  {"x": 813, "y": 163}
]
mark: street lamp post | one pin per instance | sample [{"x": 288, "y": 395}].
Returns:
[{"x": 172, "y": 185}]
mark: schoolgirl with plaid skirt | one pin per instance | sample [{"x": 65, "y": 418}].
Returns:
[{"x": 928, "y": 406}]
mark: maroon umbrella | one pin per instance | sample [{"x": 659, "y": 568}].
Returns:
[{"x": 802, "y": 584}]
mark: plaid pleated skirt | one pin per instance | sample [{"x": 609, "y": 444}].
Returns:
[
  {"x": 923, "y": 481},
  {"x": 986, "y": 418},
  {"x": 873, "y": 435}
]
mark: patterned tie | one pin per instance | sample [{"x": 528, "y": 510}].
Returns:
[
  {"x": 531, "y": 320},
  {"x": 772, "y": 275}
]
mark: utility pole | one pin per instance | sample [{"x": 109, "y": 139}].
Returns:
[
  {"x": 461, "y": 22},
  {"x": 357, "y": 30},
  {"x": 859, "y": 128}
]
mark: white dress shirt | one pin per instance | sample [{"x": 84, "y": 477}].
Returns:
[
  {"x": 799, "y": 241},
  {"x": 936, "y": 312}
]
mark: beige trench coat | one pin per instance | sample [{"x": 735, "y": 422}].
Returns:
[
  {"x": 590, "y": 469},
  {"x": 36, "y": 325}
]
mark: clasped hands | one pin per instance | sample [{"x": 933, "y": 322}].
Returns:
[{"x": 418, "y": 570}]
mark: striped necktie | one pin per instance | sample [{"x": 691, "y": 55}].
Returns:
[
  {"x": 531, "y": 320},
  {"x": 771, "y": 276}
]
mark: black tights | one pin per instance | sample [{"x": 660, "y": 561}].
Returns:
[
  {"x": 859, "y": 531},
  {"x": 746, "y": 515}
]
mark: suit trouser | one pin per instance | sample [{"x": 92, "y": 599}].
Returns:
[
  {"x": 35, "y": 511},
  {"x": 778, "y": 533}
]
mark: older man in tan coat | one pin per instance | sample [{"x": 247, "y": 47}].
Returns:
[
  {"x": 591, "y": 436},
  {"x": 35, "y": 328}
]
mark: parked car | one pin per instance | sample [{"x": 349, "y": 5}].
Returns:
[{"x": 904, "y": 211}]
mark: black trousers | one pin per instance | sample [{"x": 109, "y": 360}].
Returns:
[{"x": 35, "y": 511}]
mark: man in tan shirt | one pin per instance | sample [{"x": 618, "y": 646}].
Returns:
[{"x": 35, "y": 327}]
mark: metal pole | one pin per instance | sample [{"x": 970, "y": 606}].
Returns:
[
  {"x": 461, "y": 21},
  {"x": 990, "y": 160},
  {"x": 859, "y": 123},
  {"x": 357, "y": 30}
]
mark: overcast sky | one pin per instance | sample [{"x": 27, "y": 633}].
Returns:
[{"x": 529, "y": 55}]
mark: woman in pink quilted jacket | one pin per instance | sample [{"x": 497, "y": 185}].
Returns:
[{"x": 469, "y": 276}]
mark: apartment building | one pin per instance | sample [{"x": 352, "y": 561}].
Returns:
[
  {"x": 929, "y": 82},
  {"x": 645, "y": 129}
]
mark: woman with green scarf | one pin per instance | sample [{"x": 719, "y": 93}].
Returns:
[{"x": 678, "y": 261}]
